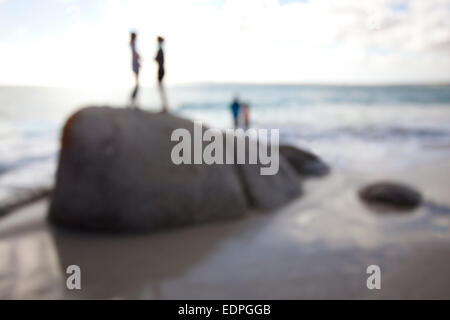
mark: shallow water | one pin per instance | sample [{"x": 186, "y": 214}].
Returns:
[{"x": 348, "y": 126}]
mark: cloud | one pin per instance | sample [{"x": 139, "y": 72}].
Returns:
[
  {"x": 419, "y": 26},
  {"x": 233, "y": 40}
]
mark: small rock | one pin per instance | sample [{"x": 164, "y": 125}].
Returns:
[{"x": 391, "y": 195}]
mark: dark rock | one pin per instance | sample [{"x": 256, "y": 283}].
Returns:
[
  {"x": 305, "y": 163},
  {"x": 391, "y": 195},
  {"x": 116, "y": 174},
  {"x": 270, "y": 192}
]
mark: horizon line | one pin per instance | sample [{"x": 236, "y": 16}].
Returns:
[{"x": 243, "y": 83}]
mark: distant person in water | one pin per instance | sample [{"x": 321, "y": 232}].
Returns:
[
  {"x": 136, "y": 66},
  {"x": 246, "y": 115},
  {"x": 161, "y": 72},
  {"x": 236, "y": 111}
]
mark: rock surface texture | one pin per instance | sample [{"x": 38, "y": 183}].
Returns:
[
  {"x": 305, "y": 163},
  {"x": 116, "y": 174}
]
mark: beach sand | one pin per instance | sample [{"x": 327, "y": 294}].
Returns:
[{"x": 318, "y": 247}]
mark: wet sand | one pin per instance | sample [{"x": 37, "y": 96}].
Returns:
[{"x": 318, "y": 247}]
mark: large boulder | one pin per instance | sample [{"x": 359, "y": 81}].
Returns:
[
  {"x": 116, "y": 174},
  {"x": 390, "y": 195},
  {"x": 305, "y": 163}
]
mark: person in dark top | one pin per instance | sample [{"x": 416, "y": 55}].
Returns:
[
  {"x": 160, "y": 60},
  {"x": 161, "y": 72},
  {"x": 236, "y": 111}
]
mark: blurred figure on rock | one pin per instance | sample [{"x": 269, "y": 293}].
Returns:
[
  {"x": 136, "y": 67},
  {"x": 161, "y": 73}
]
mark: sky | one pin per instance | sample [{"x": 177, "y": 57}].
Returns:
[{"x": 79, "y": 43}]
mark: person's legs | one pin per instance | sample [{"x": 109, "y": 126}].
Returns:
[
  {"x": 135, "y": 92},
  {"x": 161, "y": 74},
  {"x": 246, "y": 121},
  {"x": 162, "y": 91}
]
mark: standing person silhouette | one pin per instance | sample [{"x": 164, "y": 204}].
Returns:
[
  {"x": 236, "y": 111},
  {"x": 161, "y": 72},
  {"x": 136, "y": 66}
]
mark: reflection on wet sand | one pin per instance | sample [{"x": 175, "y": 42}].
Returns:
[
  {"x": 317, "y": 247},
  {"x": 136, "y": 266},
  {"x": 29, "y": 265}
]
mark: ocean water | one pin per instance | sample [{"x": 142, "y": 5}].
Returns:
[{"x": 350, "y": 127}]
